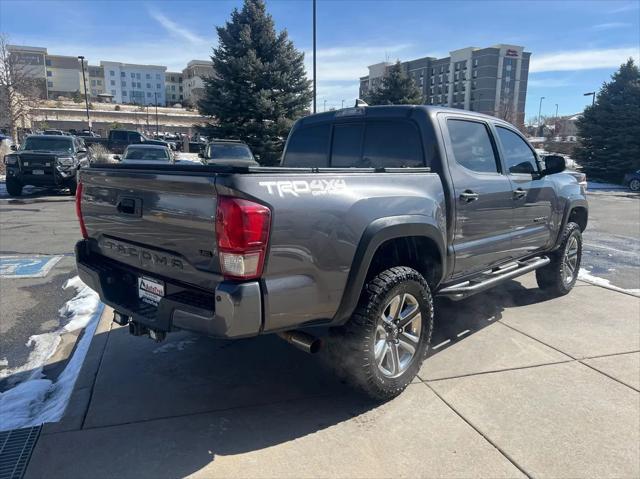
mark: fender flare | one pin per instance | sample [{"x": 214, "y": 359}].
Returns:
[
  {"x": 375, "y": 234},
  {"x": 575, "y": 202}
]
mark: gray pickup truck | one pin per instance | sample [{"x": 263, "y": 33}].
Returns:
[{"x": 374, "y": 211}]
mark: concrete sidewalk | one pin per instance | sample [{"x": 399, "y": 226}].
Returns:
[{"x": 516, "y": 385}]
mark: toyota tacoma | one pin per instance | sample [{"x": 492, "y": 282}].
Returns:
[{"x": 372, "y": 213}]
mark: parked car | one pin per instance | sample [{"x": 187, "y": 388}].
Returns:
[
  {"x": 87, "y": 134},
  {"x": 118, "y": 140},
  {"x": 632, "y": 180},
  {"x": 228, "y": 152},
  {"x": 375, "y": 211},
  {"x": 46, "y": 160},
  {"x": 54, "y": 132},
  {"x": 147, "y": 154}
]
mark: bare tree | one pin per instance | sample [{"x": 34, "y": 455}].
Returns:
[
  {"x": 506, "y": 110},
  {"x": 20, "y": 90}
]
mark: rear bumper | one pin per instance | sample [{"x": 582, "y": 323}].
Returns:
[{"x": 233, "y": 310}]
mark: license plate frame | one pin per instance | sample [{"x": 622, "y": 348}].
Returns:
[
  {"x": 151, "y": 290},
  {"x": 37, "y": 172}
]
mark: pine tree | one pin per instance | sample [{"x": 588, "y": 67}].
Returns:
[
  {"x": 259, "y": 88},
  {"x": 396, "y": 88},
  {"x": 609, "y": 130}
]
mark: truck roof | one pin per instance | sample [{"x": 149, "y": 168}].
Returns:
[{"x": 388, "y": 111}]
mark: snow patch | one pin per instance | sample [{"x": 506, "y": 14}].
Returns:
[
  {"x": 38, "y": 400},
  {"x": 587, "y": 277}
]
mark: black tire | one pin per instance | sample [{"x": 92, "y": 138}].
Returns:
[
  {"x": 634, "y": 185},
  {"x": 14, "y": 187},
  {"x": 353, "y": 346},
  {"x": 554, "y": 276}
]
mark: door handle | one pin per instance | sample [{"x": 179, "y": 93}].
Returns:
[
  {"x": 468, "y": 196},
  {"x": 519, "y": 193}
]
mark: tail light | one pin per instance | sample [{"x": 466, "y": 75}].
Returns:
[
  {"x": 242, "y": 229},
  {"x": 83, "y": 228}
]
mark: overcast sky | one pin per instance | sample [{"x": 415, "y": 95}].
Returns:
[{"x": 575, "y": 45}]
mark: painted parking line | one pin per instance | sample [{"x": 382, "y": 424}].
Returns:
[{"x": 27, "y": 266}]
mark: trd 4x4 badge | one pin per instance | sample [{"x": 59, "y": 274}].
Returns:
[{"x": 303, "y": 187}]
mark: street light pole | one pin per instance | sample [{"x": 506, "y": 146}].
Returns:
[
  {"x": 555, "y": 125},
  {"x": 593, "y": 97},
  {"x": 84, "y": 83},
  {"x": 324, "y": 105},
  {"x": 155, "y": 96},
  {"x": 314, "y": 56},
  {"x": 539, "y": 113}
]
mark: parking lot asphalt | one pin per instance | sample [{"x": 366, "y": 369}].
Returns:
[{"x": 516, "y": 384}]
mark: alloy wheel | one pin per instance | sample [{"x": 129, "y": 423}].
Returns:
[
  {"x": 570, "y": 261},
  {"x": 397, "y": 335}
]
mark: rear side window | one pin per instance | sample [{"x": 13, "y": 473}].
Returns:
[
  {"x": 347, "y": 145},
  {"x": 308, "y": 147},
  {"x": 472, "y": 146},
  {"x": 391, "y": 145}
]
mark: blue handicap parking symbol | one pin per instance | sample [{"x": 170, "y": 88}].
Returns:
[{"x": 26, "y": 266}]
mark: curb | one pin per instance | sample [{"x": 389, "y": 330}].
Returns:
[{"x": 80, "y": 399}]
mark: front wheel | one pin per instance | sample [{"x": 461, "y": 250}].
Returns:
[
  {"x": 383, "y": 345},
  {"x": 634, "y": 185},
  {"x": 561, "y": 274},
  {"x": 14, "y": 187}
]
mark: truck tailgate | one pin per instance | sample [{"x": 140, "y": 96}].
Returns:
[{"x": 162, "y": 224}]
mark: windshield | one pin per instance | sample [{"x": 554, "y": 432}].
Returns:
[
  {"x": 49, "y": 144},
  {"x": 146, "y": 154},
  {"x": 230, "y": 152}
]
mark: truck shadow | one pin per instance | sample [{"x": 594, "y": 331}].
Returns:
[{"x": 184, "y": 404}]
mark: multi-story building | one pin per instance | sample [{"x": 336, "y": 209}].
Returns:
[
  {"x": 95, "y": 80},
  {"x": 137, "y": 84},
  {"x": 175, "y": 92},
  {"x": 32, "y": 64},
  {"x": 64, "y": 76},
  {"x": 489, "y": 80},
  {"x": 193, "y": 79}
]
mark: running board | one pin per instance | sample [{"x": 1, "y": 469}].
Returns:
[{"x": 490, "y": 279}]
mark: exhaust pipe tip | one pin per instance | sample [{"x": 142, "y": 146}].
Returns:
[{"x": 303, "y": 341}]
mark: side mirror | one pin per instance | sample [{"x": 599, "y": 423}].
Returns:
[
  {"x": 201, "y": 155},
  {"x": 13, "y": 148},
  {"x": 554, "y": 164},
  {"x": 117, "y": 157},
  {"x": 82, "y": 152}
]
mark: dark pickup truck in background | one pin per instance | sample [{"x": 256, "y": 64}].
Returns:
[
  {"x": 118, "y": 140},
  {"x": 373, "y": 212},
  {"x": 46, "y": 160}
]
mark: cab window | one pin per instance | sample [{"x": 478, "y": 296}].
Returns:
[
  {"x": 518, "y": 157},
  {"x": 308, "y": 147},
  {"x": 472, "y": 147}
]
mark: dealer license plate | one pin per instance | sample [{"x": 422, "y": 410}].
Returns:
[
  {"x": 37, "y": 172},
  {"x": 150, "y": 290}
]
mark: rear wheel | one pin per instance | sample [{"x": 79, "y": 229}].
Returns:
[
  {"x": 383, "y": 345},
  {"x": 634, "y": 185},
  {"x": 14, "y": 187},
  {"x": 561, "y": 274}
]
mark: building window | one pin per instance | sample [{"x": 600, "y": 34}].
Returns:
[
  {"x": 113, "y": 83},
  {"x": 475, "y": 73},
  {"x": 123, "y": 84},
  {"x": 507, "y": 79},
  {"x": 509, "y": 68},
  {"x": 180, "y": 88},
  {"x": 49, "y": 74},
  {"x": 157, "y": 76},
  {"x": 149, "y": 85},
  {"x": 173, "y": 87},
  {"x": 93, "y": 83},
  {"x": 93, "y": 92},
  {"x": 124, "y": 93},
  {"x": 158, "y": 86},
  {"x": 456, "y": 76},
  {"x": 133, "y": 75},
  {"x": 179, "y": 79},
  {"x": 112, "y": 73},
  {"x": 441, "y": 69},
  {"x": 99, "y": 82},
  {"x": 47, "y": 62},
  {"x": 123, "y": 74},
  {"x": 475, "y": 62},
  {"x": 457, "y": 66},
  {"x": 50, "y": 84},
  {"x": 148, "y": 76},
  {"x": 139, "y": 85}
]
